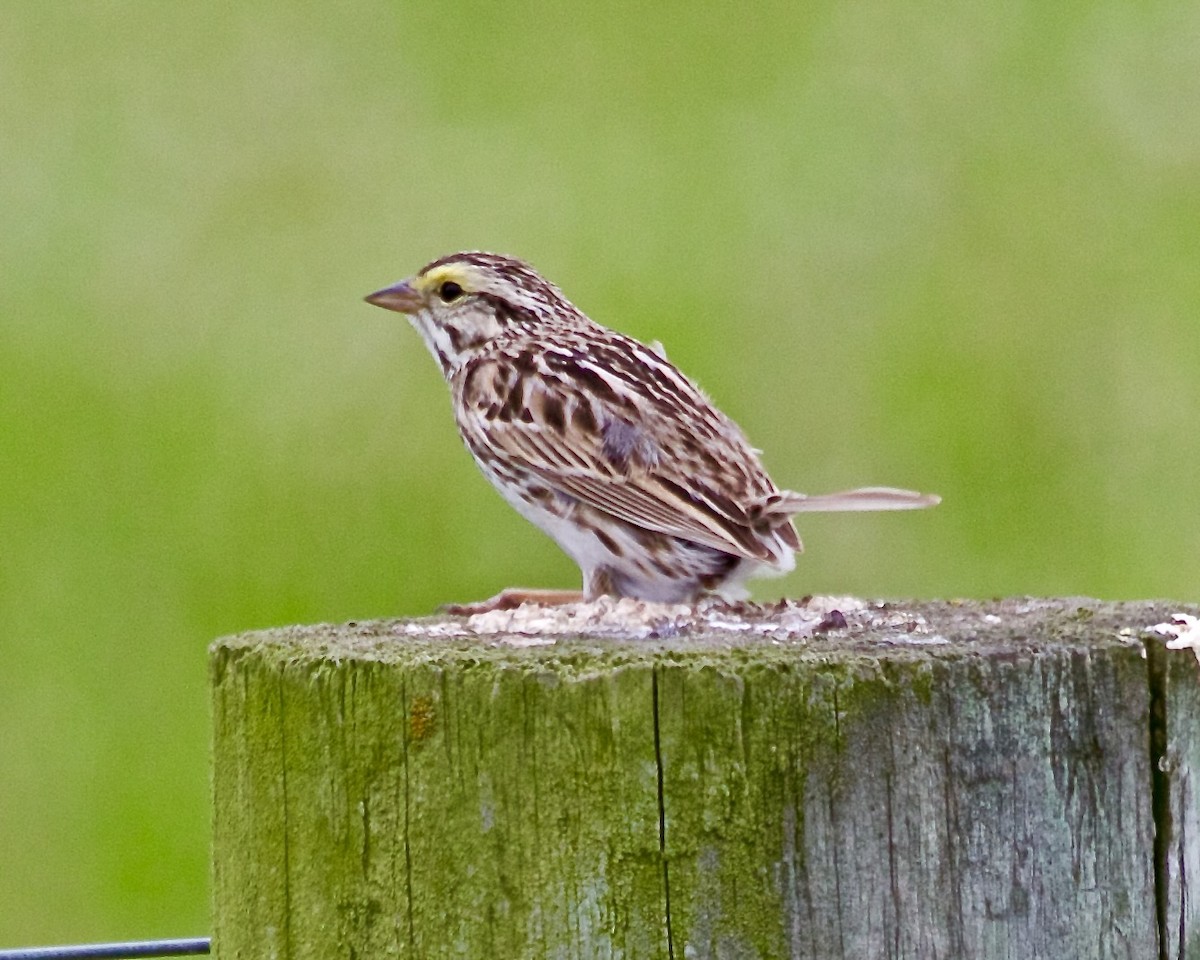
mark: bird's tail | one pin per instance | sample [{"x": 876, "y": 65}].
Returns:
[{"x": 788, "y": 502}]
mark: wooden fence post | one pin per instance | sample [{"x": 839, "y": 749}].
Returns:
[{"x": 824, "y": 780}]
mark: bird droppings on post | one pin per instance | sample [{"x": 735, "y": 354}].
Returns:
[
  {"x": 781, "y": 622},
  {"x": 1183, "y": 631}
]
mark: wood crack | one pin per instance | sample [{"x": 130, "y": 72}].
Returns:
[
  {"x": 662, "y": 817},
  {"x": 285, "y": 820},
  {"x": 1160, "y": 790}
]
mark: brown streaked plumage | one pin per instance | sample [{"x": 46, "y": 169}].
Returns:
[{"x": 601, "y": 442}]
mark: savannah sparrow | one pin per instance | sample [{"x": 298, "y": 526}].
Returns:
[{"x": 599, "y": 441}]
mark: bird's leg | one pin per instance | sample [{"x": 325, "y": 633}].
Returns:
[{"x": 511, "y": 598}]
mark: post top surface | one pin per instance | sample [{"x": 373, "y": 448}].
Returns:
[{"x": 613, "y": 632}]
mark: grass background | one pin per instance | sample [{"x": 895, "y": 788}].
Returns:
[{"x": 953, "y": 248}]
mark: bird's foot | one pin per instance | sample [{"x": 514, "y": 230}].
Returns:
[{"x": 511, "y": 598}]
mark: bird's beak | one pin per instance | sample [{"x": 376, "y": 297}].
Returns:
[{"x": 399, "y": 297}]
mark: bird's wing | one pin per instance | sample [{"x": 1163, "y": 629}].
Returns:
[{"x": 656, "y": 455}]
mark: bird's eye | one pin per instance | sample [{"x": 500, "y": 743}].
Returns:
[{"x": 450, "y": 291}]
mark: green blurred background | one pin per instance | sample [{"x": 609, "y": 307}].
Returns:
[{"x": 949, "y": 247}]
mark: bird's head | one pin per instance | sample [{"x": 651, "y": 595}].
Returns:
[{"x": 462, "y": 302}]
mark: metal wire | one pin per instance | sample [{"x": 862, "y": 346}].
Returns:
[{"x": 134, "y": 949}]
